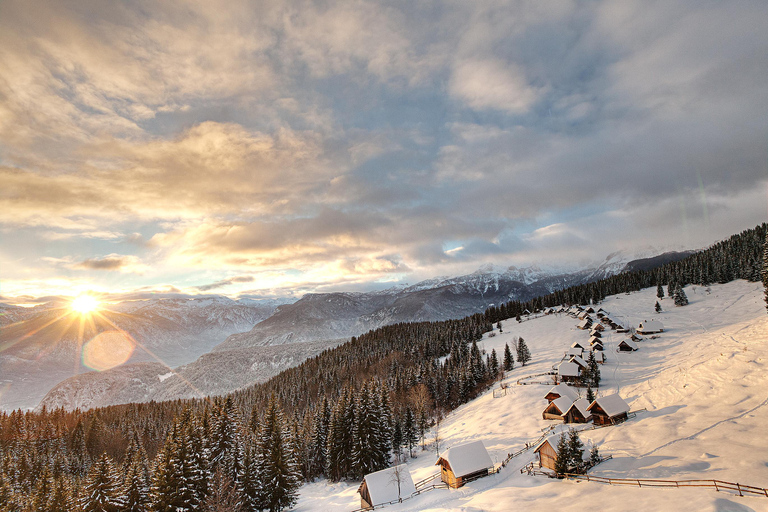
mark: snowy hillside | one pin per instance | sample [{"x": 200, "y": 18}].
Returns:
[{"x": 700, "y": 393}]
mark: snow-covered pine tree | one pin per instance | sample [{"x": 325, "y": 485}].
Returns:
[
  {"x": 410, "y": 430},
  {"x": 101, "y": 492},
  {"x": 364, "y": 456},
  {"x": 562, "y": 463},
  {"x": 590, "y": 394},
  {"x": 250, "y": 488},
  {"x": 493, "y": 366},
  {"x": 43, "y": 488},
  {"x": 61, "y": 499},
  {"x": 575, "y": 451},
  {"x": 657, "y": 307},
  {"x": 594, "y": 369},
  {"x": 509, "y": 361},
  {"x": 523, "y": 354},
  {"x": 135, "y": 476},
  {"x": 224, "y": 438},
  {"x": 278, "y": 473},
  {"x": 384, "y": 410},
  {"x": 680, "y": 298},
  {"x": 659, "y": 291}
]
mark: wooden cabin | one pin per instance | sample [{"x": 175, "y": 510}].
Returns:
[
  {"x": 584, "y": 315},
  {"x": 577, "y": 412},
  {"x": 579, "y": 361},
  {"x": 590, "y": 310},
  {"x": 574, "y": 352},
  {"x": 597, "y": 346},
  {"x": 561, "y": 390},
  {"x": 620, "y": 328},
  {"x": 464, "y": 463},
  {"x": 608, "y": 410},
  {"x": 385, "y": 486},
  {"x": 652, "y": 327},
  {"x": 568, "y": 372},
  {"x": 627, "y": 345},
  {"x": 599, "y": 356},
  {"x": 557, "y": 408},
  {"x": 547, "y": 451},
  {"x": 579, "y": 344},
  {"x": 594, "y": 339},
  {"x": 584, "y": 324},
  {"x": 635, "y": 338}
]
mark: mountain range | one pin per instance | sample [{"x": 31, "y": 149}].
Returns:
[{"x": 254, "y": 343}]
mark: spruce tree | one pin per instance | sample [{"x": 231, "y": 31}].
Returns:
[
  {"x": 279, "y": 475},
  {"x": 509, "y": 361},
  {"x": 101, "y": 492},
  {"x": 410, "y": 431},
  {"x": 659, "y": 291},
  {"x": 594, "y": 369},
  {"x": 61, "y": 499},
  {"x": 523, "y": 354},
  {"x": 575, "y": 451},
  {"x": 562, "y": 463},
  {"x": 590, "y": 394},
  {"x": 250, "y": 488},
  {"x": 493, "y": 366},
  {"x": 657, "y": 307},
  {"x": 680, "y": 298}
]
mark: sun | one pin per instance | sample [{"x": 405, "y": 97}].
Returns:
[{"x": 84, "y": 304}]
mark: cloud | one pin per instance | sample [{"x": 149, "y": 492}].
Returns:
[
  {"x": 491, "y": 84},
  {"x": 225, "y": 282},
  {"x": 112, "y": 263}
]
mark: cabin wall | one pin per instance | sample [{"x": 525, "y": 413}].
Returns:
[
  {"x": 447, "y": 476},
  {"x": 547, "y": 456}
]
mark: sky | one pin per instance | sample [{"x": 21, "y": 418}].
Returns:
[{"x": 276, "y": 148}]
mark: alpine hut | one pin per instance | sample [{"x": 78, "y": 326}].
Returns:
[
  {"x": 577, "y": 412},
  {"x": 464, "y": 463},
  {"x": 608, "y": 410},
  {"x": 627, "y": 345},
  {"x": 385, "y": 486},
  {"x": 557, "y": 408},
  {"x": 584, "y": 324},
  {"x": 561, "y": 390},
  {"x": 579, "y": 344},
  {"x": 652, "y": 327},
  {"x": 595, "y": 339},
  {"x": 547, "y": 451},
  {"x": 568, "y": 372},
  {"x": 579, "y": 361}
]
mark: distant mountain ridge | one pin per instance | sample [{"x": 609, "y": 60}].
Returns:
[{"x": 304, "y": 328}]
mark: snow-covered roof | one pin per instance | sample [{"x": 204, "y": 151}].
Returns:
[
  {"x": 650, "y": 326},
  {"x": 612, "y": 405},
  {"x": 581, "y": 404},
  {"x": 563, "y": 403},
  {"x": 575, "y": 351},
  {"x": 568, "y": 369},
  {"x": 467, "y": 458},
  {"x": 563, "y": 390},
  {"x": 595, "y": 339},
  {"x": 382, "y": 485},
  {"x": 579, "y": 361},
  {"x": 585, "y": 323},
  {"x": 628, "y": 342},
  {"x": 583, "y": 315},
  {"x": 578, "y": 344}
]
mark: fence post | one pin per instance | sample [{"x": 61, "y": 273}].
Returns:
[
  {"x": 715, "y": 482},
  {"x": 638, "y": 483},
  {"x": 739, "y": 488}
]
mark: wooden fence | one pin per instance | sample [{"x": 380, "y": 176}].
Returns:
[{"x": 718, "y": 485}]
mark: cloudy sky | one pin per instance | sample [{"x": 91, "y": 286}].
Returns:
[{"x": 285, "y": 146}]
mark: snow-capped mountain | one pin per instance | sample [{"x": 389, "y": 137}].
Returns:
[{"x": 304, "y": 328}]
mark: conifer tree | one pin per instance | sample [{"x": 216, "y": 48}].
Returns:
[
  {"x": 509, "y": 361},
  {"x": 101, "y": 492},
  {"x": 493, "y": 366},
  {"x": 659, "y": 291},
  {"x": 278, "y": 473},
  {"x": 562, "y": 463},
  {"x": 594, "y": 370},
  {"x": 657, "y": 307},
  {"x": 320, "y": 437},
  {"x": 61, "y": 499},
  {"x": 410, "y": 433},
  {"x": 43, "y": 488},
  {"x": 680, "y": 298},
  {"x": 250, "y": 488},
  {"x": 590, "y": 394},
  {"x": 523, "y": 354},
  {"x": 575, "y": 451}
]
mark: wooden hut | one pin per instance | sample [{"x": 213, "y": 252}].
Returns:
[
  {"x": 385, "y": 486},
  {"x": 608, "y": 410},
  {"x": 595, "y": 339},
  {"x": 627, "y": 345},
  {"x": 590, "y": 310},
  {"x": 547, "y": 452},
  {"x": 580, "y": 345},
  {"x": 561, "y": 390},
  {"x": 464, "y": 463},
  {"x": 652, "y": 327},
  {"x": 579, "y": 361},
  {"x": 557, "y": 408},
  {"x": 577, "y": 412},
  {"x": 568, "y": 372},
  {"x": 635, "y": 338},
  {"x": 598, "y": 345},
  {"x": 584, "y": 324},
  {"x": 573, "y": 351}
]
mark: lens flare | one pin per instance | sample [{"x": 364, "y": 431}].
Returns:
[
  {"x": 84, "y": 304},
  {"x": 107, "y": 350}
]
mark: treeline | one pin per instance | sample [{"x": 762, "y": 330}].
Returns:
[{"x": 339, "y": 415}]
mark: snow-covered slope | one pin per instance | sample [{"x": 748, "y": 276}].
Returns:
[{"x": 703, "y": 382}]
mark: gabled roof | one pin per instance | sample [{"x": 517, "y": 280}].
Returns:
[
  {"x": 568, "y": 369},
  {"x": 613, "y": 405},
  {"x": 595, "y": 339},
  {"x": 579, "y": 344},
  {"x": 581, "y": 405},
  {"x": 629, "y": 343},
  {"x": 382, "y": 485},
  {"x": 574, "y": 351},
  {"x": 562, "y": 404},
  {"x": 467, "y": 458},
  {"x": 563, "y": 390},
  {"x": 579, "y": 361},
  {"x": 584, "y": 323}
]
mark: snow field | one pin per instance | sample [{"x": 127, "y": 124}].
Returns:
[{"x": 703, "y": 382}]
